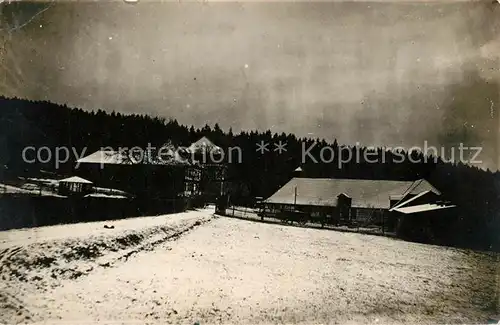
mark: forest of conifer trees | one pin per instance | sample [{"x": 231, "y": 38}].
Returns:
[{"x": 39, "y": 123}]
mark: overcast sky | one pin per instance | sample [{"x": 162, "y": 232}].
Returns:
[{"x": 376, "y": 73}]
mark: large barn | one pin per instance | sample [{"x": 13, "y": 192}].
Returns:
[{"x": 347, "y": 201}]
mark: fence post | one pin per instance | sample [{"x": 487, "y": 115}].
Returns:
[
  {"x": 33, "y": 214},
  {"x": 383, "y": 221},
  {"x": 233, "y": 210}
]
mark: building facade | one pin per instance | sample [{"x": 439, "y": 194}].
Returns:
[{"x": 355, "y": 201}]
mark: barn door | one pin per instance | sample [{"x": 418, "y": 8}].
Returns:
[{"x": 344, "y": 205}]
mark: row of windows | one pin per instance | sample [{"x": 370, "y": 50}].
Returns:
[{"x": 352, "y": 213}]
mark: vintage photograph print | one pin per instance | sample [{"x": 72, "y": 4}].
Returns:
[{"x": 250, "y": 162}]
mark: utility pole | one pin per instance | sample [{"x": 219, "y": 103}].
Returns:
[
  {"x": 383, "y": 221},
  {"x": 295, "y": 198}
]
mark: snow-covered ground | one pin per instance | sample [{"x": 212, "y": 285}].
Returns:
[{"x": 193, "y": 267}]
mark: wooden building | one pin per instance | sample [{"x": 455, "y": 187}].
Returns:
[
  {"x": 353, "y": 201},
  {"x": 74, "y": 186},
  {"x": 213, "y": 177},
  {"x": 171, "y": 176},
  {"x": 422, "y": 214},
  {"x": 170, "y": 173}
]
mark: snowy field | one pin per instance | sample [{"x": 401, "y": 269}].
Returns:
[{"x": 194, "y": 267}]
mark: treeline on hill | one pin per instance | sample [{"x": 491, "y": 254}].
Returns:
[{"x": 39, "y": 123}]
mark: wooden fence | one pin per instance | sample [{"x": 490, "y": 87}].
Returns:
[
  {"x": 367, "y": 226},
  {"x": 23, "y": 211}
]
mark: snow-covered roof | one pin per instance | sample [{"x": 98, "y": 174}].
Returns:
[
  {"x": 111, "y": 191},
  {"x": 324, "y": 192},
  {"x": 420, "y": 186},
  {"x": 402, "y": 203},
  {"x": 422, "y": 208},
  {"x": 168, "y": 155},
  {"x": 365, "y": 193},
  {"x": 106, "y": 196},
  {"x": 107, "y": 157},
  {"x": 75, "y": 179},
  {"x": 28, "y": 189},
  {"x": 203, "y": 144}
]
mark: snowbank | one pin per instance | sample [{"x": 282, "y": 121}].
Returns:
[
  {"x": 39, "y": 259},
  {"x": 231, "y": 271}
]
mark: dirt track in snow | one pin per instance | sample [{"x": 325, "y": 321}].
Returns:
[{"x": 182, "y": 269}]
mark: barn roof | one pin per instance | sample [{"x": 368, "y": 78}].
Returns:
[
  {"x": 420, "y": 186},
  {"x": 422, "y": 208},
  {"x": 324, "y": 192},
  {"x": 424, "y": 196}
]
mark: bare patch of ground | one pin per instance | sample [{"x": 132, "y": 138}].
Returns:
[{"x": 235, "y": 271}]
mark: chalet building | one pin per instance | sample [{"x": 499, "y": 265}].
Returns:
[
  {"x": 172, "y": 176},
  {"x": 175, "y": 173},
  {"x": 350, "y": 201},
  {"x": 210, "y": 158}
]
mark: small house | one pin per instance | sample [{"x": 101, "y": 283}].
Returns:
[{"x": 74, "y": 186}]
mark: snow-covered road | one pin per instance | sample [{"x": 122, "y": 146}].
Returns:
[{"x": 223, "y": 270}]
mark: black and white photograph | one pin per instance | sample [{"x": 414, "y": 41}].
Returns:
[{"x": 250, "y": 162}]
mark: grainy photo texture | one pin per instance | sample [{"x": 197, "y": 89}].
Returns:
[{"x": 220, "y": 162}]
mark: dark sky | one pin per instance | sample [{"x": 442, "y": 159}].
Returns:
[{"x": 392, "y": 73}]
